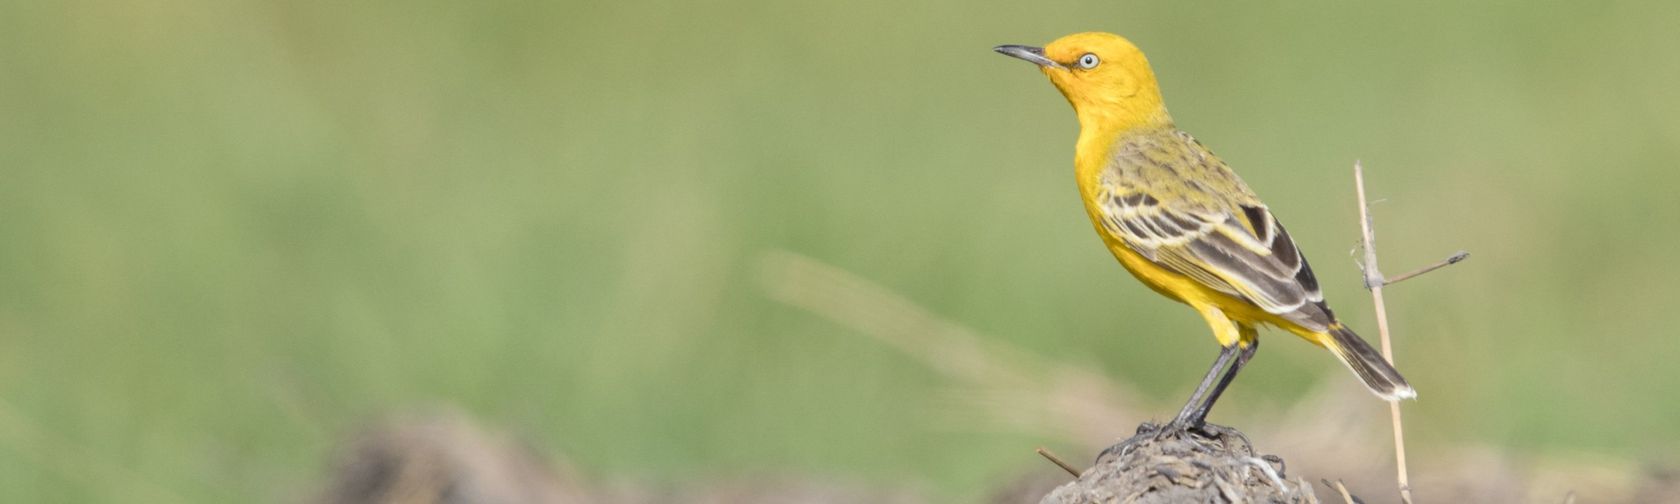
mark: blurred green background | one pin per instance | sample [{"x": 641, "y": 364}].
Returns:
[{"x": 231, "y": 232}]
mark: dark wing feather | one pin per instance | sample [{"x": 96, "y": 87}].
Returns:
[{"x": 1242, "y": 251}]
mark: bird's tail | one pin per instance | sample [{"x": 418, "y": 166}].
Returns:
[{"x": 1372, "y": 368}]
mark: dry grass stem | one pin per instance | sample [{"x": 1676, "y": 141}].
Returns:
[
  {"x": 1449, "y": 261},
  {"x": 1342, "y": 490},
  {"x": 1374, "y": 281},
  {"x": 1057, "y": 460}
]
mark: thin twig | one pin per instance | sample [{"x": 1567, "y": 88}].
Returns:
[
  {"x": 1058, "y": 461},
  {"x": 1374, "y": 281},
  {"x": 1454, "y": 259},
  {"x": 1341, "y": 489},
  {"x": 1346, "y": 496}
]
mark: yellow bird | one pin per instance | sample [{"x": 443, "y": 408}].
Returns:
[{"x": 1182, "y": 222}]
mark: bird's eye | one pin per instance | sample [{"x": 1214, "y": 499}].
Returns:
[{"x": 1088, "y": 61}]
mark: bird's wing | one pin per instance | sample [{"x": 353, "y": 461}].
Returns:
[{"x": 1225, "y": 240}]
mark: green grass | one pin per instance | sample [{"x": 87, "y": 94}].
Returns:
[{"x": 231, "y": 232}]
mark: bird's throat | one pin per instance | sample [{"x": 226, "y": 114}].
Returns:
[{"x": 1116, "y": 119}]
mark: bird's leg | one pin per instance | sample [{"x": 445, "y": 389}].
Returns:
[
  {"x": 1225, "y": 381},
  {"x": 1187, "y": 417}
]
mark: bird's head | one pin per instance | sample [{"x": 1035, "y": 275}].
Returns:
[{"x": 1104, "y": 76}]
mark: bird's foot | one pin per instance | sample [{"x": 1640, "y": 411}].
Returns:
[
  {"x": 1180, "y": 427},
  {"x": 1201, "y": 429},
  {"x": 1149, "y": 432}
]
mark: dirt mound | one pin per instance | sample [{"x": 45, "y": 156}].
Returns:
[{"x": 1217, "y": 466}]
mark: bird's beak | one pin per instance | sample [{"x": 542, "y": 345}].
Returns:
[{"x": 1029, "y": 53}]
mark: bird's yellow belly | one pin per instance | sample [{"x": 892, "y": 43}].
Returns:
[
  {"x": 1165, "y": 282},
  {"x": 1188, "y": 291}
]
